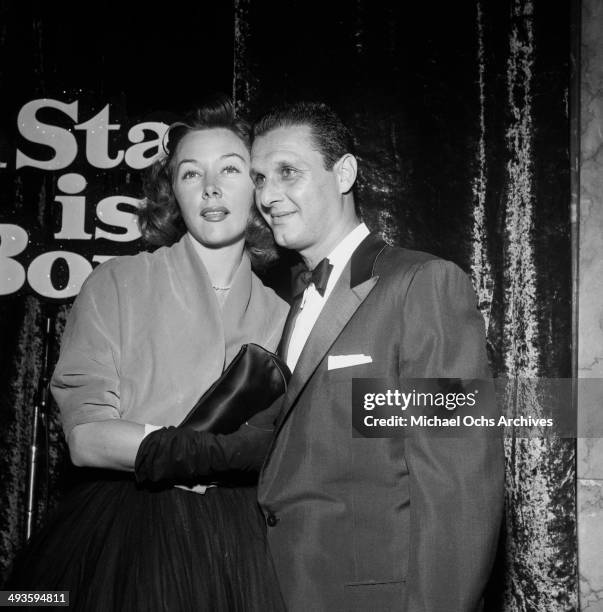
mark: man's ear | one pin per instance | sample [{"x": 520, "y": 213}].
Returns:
[{"x": 346, "y": 168}]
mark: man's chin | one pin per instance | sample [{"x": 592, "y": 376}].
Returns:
[{"x": 284, "y": 239}]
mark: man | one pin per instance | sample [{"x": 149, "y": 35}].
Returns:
[{"x": 367, "y": 524}]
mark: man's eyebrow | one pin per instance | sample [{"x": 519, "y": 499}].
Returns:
[{"x": 279, "y": 162}]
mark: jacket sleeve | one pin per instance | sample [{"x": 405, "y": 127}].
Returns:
[
  {"x": 183, "y": 455},
  {"x": 85, "y": 383},
  {"x": 456, "y": 483}
]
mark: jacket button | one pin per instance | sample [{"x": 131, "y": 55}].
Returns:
[{"x": 271, "y": 520}]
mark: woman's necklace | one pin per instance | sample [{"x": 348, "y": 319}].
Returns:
[{"x": 220, "y": 288}]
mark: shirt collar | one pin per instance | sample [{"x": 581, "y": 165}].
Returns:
[{"x": 341, "y": 254}]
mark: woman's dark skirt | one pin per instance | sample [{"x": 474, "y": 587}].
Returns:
[{"x": 116, "y": 546}]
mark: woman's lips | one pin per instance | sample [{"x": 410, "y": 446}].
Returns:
[{"x": 215, "y": 213}]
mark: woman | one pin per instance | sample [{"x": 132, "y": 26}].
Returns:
[{"x": 147, "y": 335}]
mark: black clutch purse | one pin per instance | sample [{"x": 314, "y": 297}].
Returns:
[{"x": 253, "y": 380}]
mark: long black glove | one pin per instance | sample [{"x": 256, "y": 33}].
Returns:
[{"x": 184, "y": 456}]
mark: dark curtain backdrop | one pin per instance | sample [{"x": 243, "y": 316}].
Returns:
[{"x": 460, "y": 114}]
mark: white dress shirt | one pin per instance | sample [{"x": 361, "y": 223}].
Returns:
[{"x": 313, "y": 302}]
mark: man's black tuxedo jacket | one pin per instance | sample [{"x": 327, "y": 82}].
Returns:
[{"x": 408, "y": 523}]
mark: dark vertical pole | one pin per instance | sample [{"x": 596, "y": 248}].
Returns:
[{"x": 39, "y": 415}]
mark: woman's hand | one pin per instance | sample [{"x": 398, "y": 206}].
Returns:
[{"x": 183, "y": 455}]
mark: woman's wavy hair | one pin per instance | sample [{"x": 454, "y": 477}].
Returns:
[{"x": 159, "y": 217}]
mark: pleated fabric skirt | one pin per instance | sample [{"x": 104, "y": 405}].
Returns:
[{"x": 116, "y": 546}]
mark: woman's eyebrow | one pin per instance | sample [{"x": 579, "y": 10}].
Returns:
[
  {"x": 231, "y": 155},
  {"x": 186, "y": 161},
  {"x": 196, "y": 161}
]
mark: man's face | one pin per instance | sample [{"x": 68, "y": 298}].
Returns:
[{"x": 300, "y": 200}]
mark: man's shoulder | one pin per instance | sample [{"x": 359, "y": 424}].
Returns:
[
  {"x": 398, "y": 261},
  {"x": 402, "y": 268}
]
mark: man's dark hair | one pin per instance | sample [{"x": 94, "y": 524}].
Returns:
[{"x": 330, "y": 136}]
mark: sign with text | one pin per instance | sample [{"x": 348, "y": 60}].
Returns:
[{"x": 85, "y": 164}]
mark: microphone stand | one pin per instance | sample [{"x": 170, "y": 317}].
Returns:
[{"x": 39, "y": 415}]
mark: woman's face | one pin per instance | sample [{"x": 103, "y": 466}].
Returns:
[{"x": 212, "y": 186}]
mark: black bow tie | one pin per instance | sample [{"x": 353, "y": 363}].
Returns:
[{"x": 319, "y": 276}]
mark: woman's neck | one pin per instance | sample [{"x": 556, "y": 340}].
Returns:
[{"x": 221, "y": 263}]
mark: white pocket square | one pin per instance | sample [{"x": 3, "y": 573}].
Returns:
[{"x": 335, "y": 362}]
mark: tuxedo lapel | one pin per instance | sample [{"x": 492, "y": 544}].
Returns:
[{"x": 352, "y": 288}]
